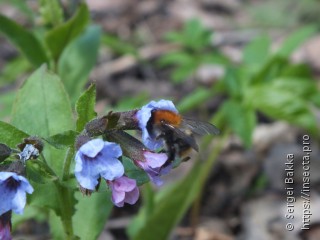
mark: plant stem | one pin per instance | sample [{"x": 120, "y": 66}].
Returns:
[
  {"x": 67, "y": 163},
  {"x": 205, "y": 172},
  {"x": 46, "y": 165},
  {"x": 66, "y": 196},
  {"x": 66, "y": 207}
]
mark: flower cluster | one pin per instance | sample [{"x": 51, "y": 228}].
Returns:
[
  {"x": 98, "y": 159},
  {"x": 103, "y": 151}
]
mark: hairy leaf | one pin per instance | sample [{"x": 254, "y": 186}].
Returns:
[
  {"x": 77, "y": 61},
  {"x": 85, "y": 107},
  {"x": 59, "y": 37},
  {"x": 91, "y": 214}
]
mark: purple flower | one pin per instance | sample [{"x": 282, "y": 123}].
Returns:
[
  {"x": 5, "y": 226},
  {"x": 124, "y": 190},
  {"x": 152, "y": 164},
  {"x": 13, "y": 190},
  {"x": 96, "y": 159},
  {"x": 143, "y": 116}
]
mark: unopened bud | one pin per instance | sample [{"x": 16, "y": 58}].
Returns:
[
  {"x": 81, "y": 140},
  {"x": 5, "y": 152},
  {"x": 30, "y": 148},
  {"x": 96, "y": 127}
]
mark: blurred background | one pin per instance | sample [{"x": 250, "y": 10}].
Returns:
[{"x": 250, "y": 67}]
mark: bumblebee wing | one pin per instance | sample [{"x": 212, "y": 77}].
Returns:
[
  {"x": 199, "y": 127},
  {"x": 189, "y": 139}
]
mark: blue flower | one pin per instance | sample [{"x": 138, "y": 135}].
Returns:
[
  {"x": 96, "y": 159},
  {"x": 13, "y": 190},
  {"x": 143, "y": 116}
]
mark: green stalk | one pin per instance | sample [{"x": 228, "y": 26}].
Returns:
[
  {"x": 205, "y": 172},
  {"x": 66, "y": 209},
  {"x": 67, "y": 163},
  {"x": 65, "y": 195}
]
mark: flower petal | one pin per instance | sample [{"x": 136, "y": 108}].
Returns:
[
  {"x": 6, "y": 197},
  {"x": 150, "y": 142},
  {"x": 118, "y": 198},
  {"x": 112, "y": 169},
  {"x": 124, "y": 184},
  {"x": 19, "y": 201},
  {"x": 25, "y": 185},
  {"x": 143, "y": 116},
  {"x": 111, "y": 150},
  {"x": 132, "y": 196},
  {"x": 155, "y": 160},
  {"x": 155, "y": 178},
  {"x": 13, "y": 198},
  {"x": 92, "y": 148},
  {"x": 103, "y": 163},
  {"x": 5, "y": 175},
  {"x": 163, "y": 104},
  {"x": 86, "y": 172}
]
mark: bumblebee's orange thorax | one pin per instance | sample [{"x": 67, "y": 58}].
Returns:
[{"x": 167, "y": 116}]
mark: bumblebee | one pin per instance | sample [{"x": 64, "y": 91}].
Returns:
[{"x": 177, "y": 132}]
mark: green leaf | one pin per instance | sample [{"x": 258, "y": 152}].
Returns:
[
  {"x": 51, "y": 12},
  {"x": 85, "y": 107},
  {"x": 129, "y": 102},
  {"x": 284, "y": 104},
  {"x": 13, "y": 69},
  {"x": 45, "y": 196},
  {"x": 171, "y": 204},
  {"x": 132, "y": 171},
  {"x": 241, "y": 119},
  {"x": 256, "y": 52},
  {"x": 27, "y": 43},
  {"x": 295, "y": 40},
  {"x": 177, "y": 59},
  {"x": 315, "y": 99},
  {"x": 196, "y": 35},
  {"x": 300, "y": 87},
  {"x": 42, "y": 108},
  {"x": 56, "y": 226},
  {"x": 28, "y": 213},
  {"x": 62, "y": 140},
  {"x": 77, "y": 61},
  {"x": 6, "y": 102},
  {"x": 91, "y": 214},
  {"x": 233, "y": 82},
  {"x": 119, "y": 46},
  {"x": 59, "y": 37},
  {"x": 297, "y": 71},
  {"x": 37, "y": 172},
  {"x": 54, "y": 196},
  {"x": 182, "y": 73},
  {"x": 140, "y": 219},
  {"x": 194, "y": 99},
  {"x": 270, "y": 70},
  {"x": 10, "y": 135}
]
